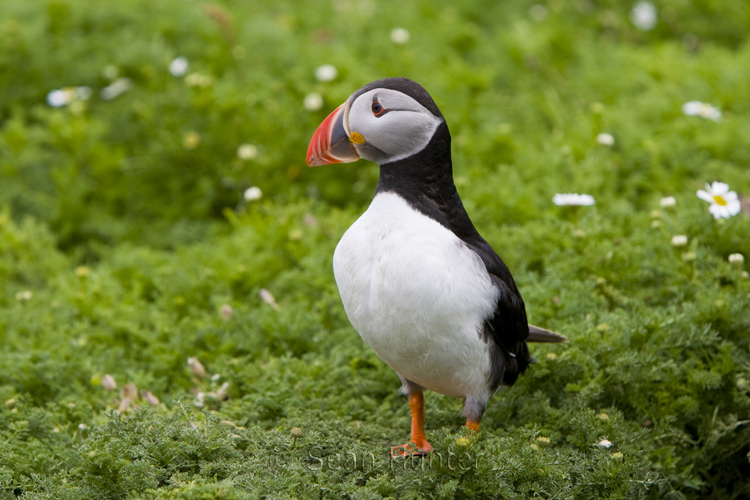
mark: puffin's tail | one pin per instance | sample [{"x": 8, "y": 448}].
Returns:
[{"x": 537, "y": 334}]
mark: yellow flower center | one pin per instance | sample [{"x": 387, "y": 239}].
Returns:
[{"x": 720, "y": 201}]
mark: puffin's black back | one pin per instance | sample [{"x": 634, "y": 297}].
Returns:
[{"x": 425, "y": 181}]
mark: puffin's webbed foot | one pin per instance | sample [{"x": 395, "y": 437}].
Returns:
[{"x": 411, "y": 449}]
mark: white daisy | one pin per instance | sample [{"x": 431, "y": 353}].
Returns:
[
  {"x": 400, "y": 36},
  {"x": 724, "y": 203},
  {"x": 643, "y": 16},
  {"x": 179, "y": 66},
  {"x": 737, "y": 259},
  {"x": 116, "y": 88},
  {"x": 605, "y": 139},
  {"x": 668, "y": 201},
  {"x": 253, "y": 193},
  {"x": 326, "y": 73},
  {"x": 313, "y": 101},
  {"x": 61, "y": 97},
  {"x": 702, "y": 109},
  {"x": 679, "y": 240},
  {"x": 247, "y": 152},
  {"x": 604, "y": 443},
  {"x": 573, "y": 199}
]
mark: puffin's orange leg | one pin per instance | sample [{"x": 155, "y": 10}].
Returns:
[
  {"x": 416, "y": 404},
  {"x": 474, "y": 426}
]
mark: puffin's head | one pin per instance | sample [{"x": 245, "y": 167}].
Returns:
[{"x": 384, "y": 121}]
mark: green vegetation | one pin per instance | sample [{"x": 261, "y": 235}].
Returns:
[{"x": 124, "y": 235}]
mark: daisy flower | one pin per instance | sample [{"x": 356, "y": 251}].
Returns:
[
  {"x": 679, "y": 240},
  {"x": 724, "y": 203},
  {"x": 179, "y": 66},
  {"x": 668, "y": 201},
  {"x": 643, "y": 16},
  {"x": 247, "y": 152},
  {"x": 399, "y": 36},
  {"x": 573, "y": 199},
  {"x": 702, "y": 109},
  {"x": 313, "y": 101},
  {"x": 736, "y": 259},
  {"x": 61, "y": 97},
  {"x": 116, "y": 88},
  {"x": 605, "y": 139},
  {"x": 326, "y": 73},
  {"x": 253, "y": 193}
]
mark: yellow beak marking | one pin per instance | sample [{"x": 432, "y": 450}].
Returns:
[{"x": 357, "y": 138}]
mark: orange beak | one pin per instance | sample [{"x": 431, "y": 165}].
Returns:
[{"x": 330, "y": 143}]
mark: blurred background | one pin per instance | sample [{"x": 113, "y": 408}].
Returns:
[{"x": 525, "y": 86}]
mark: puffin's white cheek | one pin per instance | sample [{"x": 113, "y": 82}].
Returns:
[{"x": 400, "y": 134}]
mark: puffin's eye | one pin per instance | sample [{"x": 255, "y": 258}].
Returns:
[{"x": 377, "y": 108}]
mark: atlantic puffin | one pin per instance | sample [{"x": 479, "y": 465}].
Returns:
[{"x": 424, "y": 290}]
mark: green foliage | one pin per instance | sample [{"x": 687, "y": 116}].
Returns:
[{"x": 126, "y": 248}]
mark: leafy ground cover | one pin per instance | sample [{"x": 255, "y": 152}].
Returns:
[{"x": 127, "y": 247}]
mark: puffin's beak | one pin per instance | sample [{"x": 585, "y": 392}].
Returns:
[{"x": 330, "y": 143}]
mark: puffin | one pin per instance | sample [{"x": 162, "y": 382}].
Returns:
[{"x": 419, "y": 284}]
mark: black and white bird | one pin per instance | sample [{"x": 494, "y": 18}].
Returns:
[{"x": 418, "y": 282}]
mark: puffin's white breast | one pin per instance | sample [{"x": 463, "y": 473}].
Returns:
[{"x": 417, "y": 295}]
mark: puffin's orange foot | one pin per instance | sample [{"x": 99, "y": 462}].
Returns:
[
  {"x": 473, "y": 427},
  {"x": 407, "y": 450}
]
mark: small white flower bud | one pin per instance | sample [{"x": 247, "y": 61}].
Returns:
[
  {"x": 313, "y": 101},
  {"x": 326, "y": 73},
  {"x": 124, "y": 405},
  {"x": 225, "y": 312},
  {"x": 196, "y": 367},
  {"x": 668, "y": 201},
  {"x": 679, "y": 240},
  {"x": 605, "y": 139},
  {"x": 179, "y": 66},
  {"x": 268, "y": 298},
  {"x": 400, "y": 36},
  {"x": 736, "y": 259},
  {"x": 253, "y": 193},
  {"x": 247, "y": 152},
  {"x": 129, "y": 391},
  {"x": 150, "y": 398},
  {"x": 108, "y": 382},
  {"x": 222, "y": 393}
]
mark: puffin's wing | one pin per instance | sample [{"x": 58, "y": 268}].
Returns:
[
  {"x": 508, "y": 323},
  {"x": 507, "y": 328}
]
